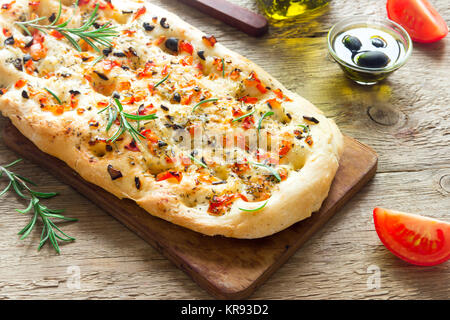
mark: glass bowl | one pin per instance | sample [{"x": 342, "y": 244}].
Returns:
[{"x": 365, "y": 75}]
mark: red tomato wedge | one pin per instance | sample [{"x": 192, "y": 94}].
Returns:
[
  {"x": 416, "y": 239},
  {"x": 419, "y": 18}
]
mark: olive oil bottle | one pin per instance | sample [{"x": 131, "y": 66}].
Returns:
[{"x": 285, "y": 9}]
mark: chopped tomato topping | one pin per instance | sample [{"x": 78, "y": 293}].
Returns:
[
  {"x": 7, "y": 6},
  {"x": 186, "y": 47},
  {"x": 132, "y": 146},
  {"x": 210, "y": 40},
  {"x": 274, "y": 103},
  {"x": 29, "y": 67},
  {"x": 285, "y": 148},
  {"x": 248, "y": 122},
  {"x": 219, "y": 204},
  {"x": 247, "y": 99},
  {"x": 253, "y": 81},
  {"x": 240, "y": 168},
  {"x": 235, "y": 74},
  {"x": 175, "y": 176},
  {"x": 56, "y": 34},
  {"x": 143, "y": 111},
  {"x": 160, "y": 40},
  {"x": 150, "y": 136},
  {"x": 309, "y": 140},
  {"x": 128, "y": 33},
  {"x": 6, "y": 32},
  {"x": 187, "y": 61},
  {"x": 147, "y": 71},
  {"x": 165, "y": 70},
  {"x": 34, "y": 4},
  {"x": 140, "y": 12},
  {"x": 20, "y": 83}
]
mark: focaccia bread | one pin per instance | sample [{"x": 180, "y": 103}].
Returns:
[{"x": 166, "y": 116}]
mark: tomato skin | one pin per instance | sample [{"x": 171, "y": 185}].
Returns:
[
  {"x": 415, "y": 239},
  {"x": 419, "y": 18}
]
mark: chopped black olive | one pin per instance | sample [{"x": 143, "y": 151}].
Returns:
[
  {"x": 74, "y": 92},
  {"x": 97, "y": 25},
  {"x": 289, "y": 116},
  {"x": 28, "y": 41},
  {"x": 352, "y": 43},
  {"x": 201, "y": 54},
  {"x": 164, "y": 108},
  {"x": 125, "y": 67},
  {"x": 52, "y": 17},
  {"x": 26, "y": 58},
  {"x": 116, "y": 95},
  {"x": 25, "y": 95},
  {"x": 17, "y": 63},
  {"x": 119, "y": 54},
  {"x": 372, "y": 59},
  {"x": 65, "y": 75},
  {"x": 172, "y": 44},
  {"x": 137, "y": 183},
  {"x": 9, "y": 41},
  {"x": 109, "y": 148},
  {"x": 164, "y": 23},
  {"x": 312, "y": 119},
  {"x": 115, "y": 174},
  {"x": 177, "y": 97},
  {"x": 101, "y": 75},
  {"x": 162, "y": 144},
  {"x": 107, "y": 51},
  {"x": 148, "y": 27},
  {"x": 127, "y": 12},
  {"x": 132, "y": 51}
]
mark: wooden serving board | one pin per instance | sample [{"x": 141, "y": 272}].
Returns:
[{"x": 226, "y": 268}]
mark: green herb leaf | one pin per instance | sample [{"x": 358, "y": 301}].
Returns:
[
  {"x": 161, "y": 82},
  {"x": 267, "y": 114},
  {"x": 54, "y": 96},
  {"x": 244, "y": 116},
  {"x": 49, "y": 231},
  {"x": 198, "y": 162},
  {"x": 256, "y": 209},
  {"x": 268, "y": 168},
  {"x": 204, "y": 101}
]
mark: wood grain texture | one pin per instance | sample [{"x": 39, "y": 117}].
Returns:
[
  {"x": 226, "y": 268},
  {"x": 408, "y": 125}
]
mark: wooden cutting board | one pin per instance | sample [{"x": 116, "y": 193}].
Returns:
[{"x": 226, "y": 268}]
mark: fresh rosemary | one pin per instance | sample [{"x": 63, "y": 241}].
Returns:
[
  {"x": 267, "y": 114},
  {"x": 244, "y": 116},
  {"x": 115, "y": 110},
  {"x": 268, "y": 168},
  {"x": 200, "y": 163},
  {"x": 256, "y": 209},
  {"x": 54, "y": 96},
  {"x": 202, "y": 102},
  {"x": 93, "y": 37},
  {"x": 50, "y": 232}
]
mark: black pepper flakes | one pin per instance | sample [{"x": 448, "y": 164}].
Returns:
[
  {"x": 115, "y": 174},
  {"x": 164, "y": 108},
  {"x": 25, "y": 95}
]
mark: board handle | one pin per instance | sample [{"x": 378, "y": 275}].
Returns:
[{"x": 241, "y": 18}]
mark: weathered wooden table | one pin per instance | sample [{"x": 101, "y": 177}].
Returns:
[{"x": 406, "y": 119}]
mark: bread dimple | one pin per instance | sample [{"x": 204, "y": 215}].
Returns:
[{"x": 308, "y": 145}]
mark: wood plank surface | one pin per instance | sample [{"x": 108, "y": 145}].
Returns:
[
  {"x": 226, "y": 268},
  {"x": 406, "y": 119}
]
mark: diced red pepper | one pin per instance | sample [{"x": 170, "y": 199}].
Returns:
[
  {"x": 186, "y": 47},
  {"x": 210, "y": 40},
  {"x": 175, "y": 176},
  {"x": 140, "y": 12}
]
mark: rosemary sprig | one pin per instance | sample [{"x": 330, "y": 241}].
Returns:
[
  {"x": 93, "y": 37},
  {"x": 202, "y": 102},
  {"x": 244, "y": 116},
  {"x": 54, "y": 95},
  {"x": 198, "y": 162},
  {"x": 256, "y": 209},
  {"x": 161, "y": 82},
  {"x": 223, "y": 68},
  {"x": 115, "y": 110},
  {"x": 267, "y": 114},
  {"x": 268, "y": 168},
  {"x": 50, "y": 231}
]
